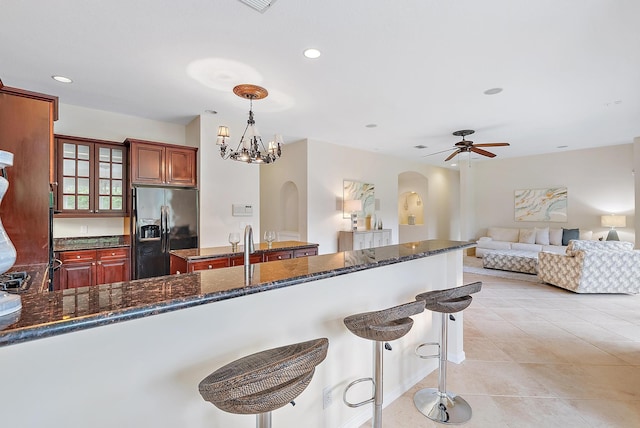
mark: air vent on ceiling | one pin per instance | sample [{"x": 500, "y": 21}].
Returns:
[{"x": 259, "y": 5}]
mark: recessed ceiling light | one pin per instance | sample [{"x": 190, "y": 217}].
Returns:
[
  {"x": 454, "y": 164},
  {"x": 312, "y": 53},
  {"x": 562, "y": 147},
  {"x": 493, "y": 91},
  {"x": 420, "y": 146},
  {"x": 371, "y": 125},
  {"x": 62, "y": 79}
]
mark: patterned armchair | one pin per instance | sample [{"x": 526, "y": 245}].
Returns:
[{"x": 593, "y": 267}]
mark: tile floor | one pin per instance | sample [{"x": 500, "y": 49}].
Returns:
[{"x": 539, "y": 356}]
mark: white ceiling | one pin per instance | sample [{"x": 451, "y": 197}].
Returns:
[{"x": 417, "y": 68}]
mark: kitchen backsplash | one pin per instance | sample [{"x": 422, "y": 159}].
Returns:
[{"x": 83, "y": 227}]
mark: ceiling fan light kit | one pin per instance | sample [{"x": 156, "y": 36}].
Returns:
[{"x": 468, "y": 145}]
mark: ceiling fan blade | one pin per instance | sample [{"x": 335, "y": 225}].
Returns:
[
  {"x": 437, "y": 153},
  {"x": 452, "y": 155},
  {"x": 482, "y": 152},
  {"x": 491, "y": 144}
]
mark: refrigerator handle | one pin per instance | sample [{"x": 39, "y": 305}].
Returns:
[
  {"x": 163, "y": 230},
  {"x": 166, "y": 229}
]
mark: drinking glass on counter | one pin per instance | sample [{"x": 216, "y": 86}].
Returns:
[
  {"x": 269, "y": 236},
  {"x": 234, "y": 238}
]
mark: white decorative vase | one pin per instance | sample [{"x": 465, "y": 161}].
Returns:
[{"x": 7, "y": 250}]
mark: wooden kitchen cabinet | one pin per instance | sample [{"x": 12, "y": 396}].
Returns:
[
  {"x": 91, "y": 177},
  {"x": 26, "y": 130},
  {"x": 83, "y": 268},
  {"x": 277, "y": 255},
  {"x": 163, "y": 164},
  {"x": 181, "y": 264}
]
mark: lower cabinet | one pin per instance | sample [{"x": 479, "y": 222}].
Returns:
[
  {"x": 181, "y": 265},
  {"x": 363, "y": 239},
  {"x": 83, "y": 268}
]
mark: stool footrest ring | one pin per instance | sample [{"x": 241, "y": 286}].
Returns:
[
  {"x": 422, "y": 345},
  {"x": 362, "y": 403}
]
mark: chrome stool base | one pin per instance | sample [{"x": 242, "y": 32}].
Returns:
[{"x": 445, "y": 408}]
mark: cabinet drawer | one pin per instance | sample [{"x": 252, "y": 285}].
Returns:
[
  {"x": 278, "y": 255},
  {"x": 209, "y": 264},
  {"x": 79, "y": 256},
  {"x": 239, "y": 260},
  {"x": 112, "y": 253},
  {"x": 304, "y": 252}
]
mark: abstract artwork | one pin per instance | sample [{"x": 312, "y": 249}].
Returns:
[
  {"x": 541, "y": 204},
  {"x": 362, "y": 191}
]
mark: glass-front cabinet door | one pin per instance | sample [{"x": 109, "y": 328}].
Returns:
[
  {"x": 110, "y": 183},
  {"x": 91, "y": 177}
]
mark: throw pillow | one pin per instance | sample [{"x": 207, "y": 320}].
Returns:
[
  {"x": 586, "y": 235},
  {"x": 527, "y": 236},
  {"x": 542, "y": 236},
  {"x": 555, "y": 236},
  {"x": 569, "y": 234}
]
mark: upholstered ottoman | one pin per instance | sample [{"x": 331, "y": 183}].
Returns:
[{"x": 512, "y": 260}]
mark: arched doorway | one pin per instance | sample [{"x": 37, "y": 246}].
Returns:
[{"x": 412, "y": 197}]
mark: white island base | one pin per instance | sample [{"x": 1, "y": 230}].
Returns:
[{"x": 145, "y": 372}]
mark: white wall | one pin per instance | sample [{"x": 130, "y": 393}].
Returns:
[
  {"x": 223, "y": 183},
  {"x": 329, "y": 165},
  {"x": 599, "y": 181},
  {"x": 292, "y": 166}
]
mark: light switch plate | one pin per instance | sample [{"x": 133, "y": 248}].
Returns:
[{"x": 242, "y": 210}]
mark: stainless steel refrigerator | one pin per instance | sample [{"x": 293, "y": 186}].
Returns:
[{"x": 163, "y": 219}]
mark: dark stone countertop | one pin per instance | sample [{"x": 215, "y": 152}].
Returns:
[
  {"x": 90, "y": 242},
  {"x": 65, "y": 311},
  {"x": 192, "y": 254}
]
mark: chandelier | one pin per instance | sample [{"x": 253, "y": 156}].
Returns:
[{"x": 250, "y": 149}]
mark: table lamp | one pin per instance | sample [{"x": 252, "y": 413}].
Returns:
[
  {"x": 353, "y": 206},
  {"x": 613, "y": 221}
]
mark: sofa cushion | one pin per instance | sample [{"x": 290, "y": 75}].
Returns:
[
  {"x": 555, "y": 236},
  {"x": 503, "y": 234},
  {"x": 520, "y": 246},
  {"x": 569, "y": 234},
  {"x": 542, "y": 236},
  {"x": 555, "y": 249},
  {"x": 495, "y": 245},
  {"x": 527, "y": 236},
  {"x": 579, "y": 245}
]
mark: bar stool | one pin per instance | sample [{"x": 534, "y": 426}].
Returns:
[
  {"x": 437, "y": 404},
  {"x": 380, "y": 326},
  {"x": 262, "y": 382}
]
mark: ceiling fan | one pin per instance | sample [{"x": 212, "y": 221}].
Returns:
[{"x": 469, "y": 146}]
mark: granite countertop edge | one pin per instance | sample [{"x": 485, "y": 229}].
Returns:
[{"x": 29, "y": 333}]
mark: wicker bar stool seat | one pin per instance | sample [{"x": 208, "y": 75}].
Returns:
[
  {"x": 437, "y": 404},
  {"x": 380, "y": 326},
  {"x": 262, "y": 382}
]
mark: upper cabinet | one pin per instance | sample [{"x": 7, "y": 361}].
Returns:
[
  {"x": 91, "y": 177},
  {"x": 162, "y": 164}
]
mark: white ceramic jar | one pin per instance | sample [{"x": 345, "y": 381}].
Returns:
[{"x": 7, "y": 250}]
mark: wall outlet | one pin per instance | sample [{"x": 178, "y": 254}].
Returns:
[
  {"x": 327, "y": 399},
  {"x": 84, "y": 228}
]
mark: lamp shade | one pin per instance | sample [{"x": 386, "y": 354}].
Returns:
[
  {"x": 352, "y": 205},
  {"x": 613, "y": 221}
]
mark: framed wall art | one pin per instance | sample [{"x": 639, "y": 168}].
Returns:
[
  {"x": 548, "y": 204},
  {"x": 365, "y": 192}
]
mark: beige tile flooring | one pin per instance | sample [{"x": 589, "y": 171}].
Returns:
[{"x": 539, "y": 356}]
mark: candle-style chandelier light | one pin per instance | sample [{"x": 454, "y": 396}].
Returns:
[{"x": 250, "y": 149}]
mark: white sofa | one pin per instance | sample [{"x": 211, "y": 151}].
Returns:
[
  {"x": 593, "y": 267},
  {"x": 532, "y": 239}
]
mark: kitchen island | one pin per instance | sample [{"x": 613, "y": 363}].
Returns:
[{"x": 158, "y": 337}]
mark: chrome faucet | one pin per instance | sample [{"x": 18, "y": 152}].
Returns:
[{"x": 248, "y": 249}]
